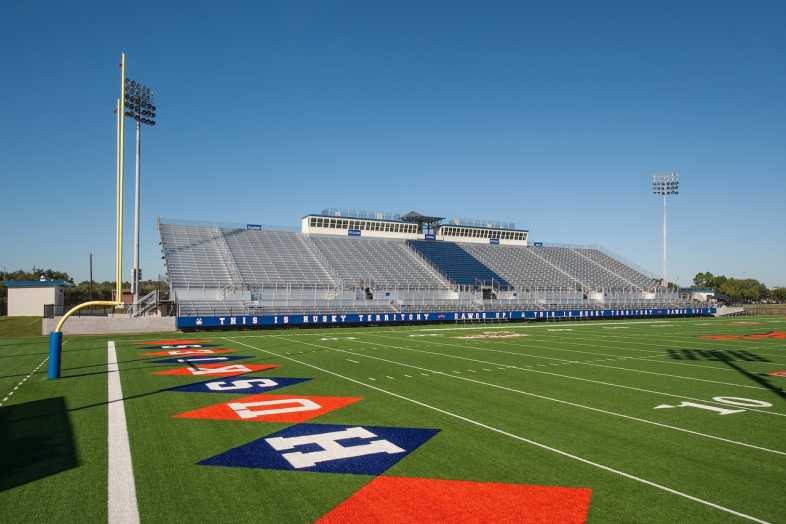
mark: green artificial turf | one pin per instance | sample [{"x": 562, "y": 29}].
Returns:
[
  {"x": 20, "y": 327},
  {"x": 565, "y": 404}
]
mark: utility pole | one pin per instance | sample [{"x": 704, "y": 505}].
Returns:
[{"x": 91, "y": 276}]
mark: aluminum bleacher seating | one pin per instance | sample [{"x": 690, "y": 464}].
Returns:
[
  {"x": 592, "y": 275},
  {"x": 615, "y": 266},
  {"x": 376, "y": 263},
  {"x": 276, "y": 258},
  {"x": 231, "y": 271},
  {"x": 519, "y": 266},
  {"x": 193, "y": 257},
  {"x": 456, "y": 264}
]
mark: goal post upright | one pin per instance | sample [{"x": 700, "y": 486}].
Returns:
[{"x": 56, "y": 337}]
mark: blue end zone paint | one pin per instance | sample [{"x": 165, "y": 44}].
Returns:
[
  {"x": 55, "y": 347},
  {"x": 246, "y": 385},
  {"x": 252, "y": 321},
  {"x": 197, "y": 359},
  {"x": 260, "y": 453}
]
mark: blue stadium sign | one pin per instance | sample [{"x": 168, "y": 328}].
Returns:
[
  {"x": 254, "y": 321},
  {"x": 353, "y": 232},
  {"x": 254, "y": 227}
]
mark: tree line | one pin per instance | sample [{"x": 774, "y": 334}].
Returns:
[
  {"x": 740, "y": 289},
  {"x": 80, "y": 291}
]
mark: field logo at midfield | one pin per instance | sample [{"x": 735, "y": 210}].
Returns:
[
  {"x": 195, "y": 360},
  {"x": 327, "y": 448},
  {"x": 271, "y": 408},
  {"x": 398, "y": 499},
  {"x": 239, "y": 385},
  {"x": 186, "y": 352},
  {"x": 217, "y": 370},
  {"x": 757, "y": 336},
  {"x": 492, "y": 335}
]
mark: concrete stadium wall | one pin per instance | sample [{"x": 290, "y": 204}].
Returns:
[
  {"x": 766, "y": 309},
  {"x": 109, "y": 325}
]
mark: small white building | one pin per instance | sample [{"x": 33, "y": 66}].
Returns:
[{"x": 27, "y": 298}]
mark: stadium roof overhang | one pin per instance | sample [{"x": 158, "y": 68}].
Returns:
[{"x": 414, "y": 216}]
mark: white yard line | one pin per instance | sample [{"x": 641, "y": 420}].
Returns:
[
  {"x": 19, "y": 385},
  {"x": 517, "y": 437},
  {"x": 590, "y": 363},
  {"x": 121, "y": 502},
  {"x": 570, "y": 377},
  {"x": 556, "y": 400}
]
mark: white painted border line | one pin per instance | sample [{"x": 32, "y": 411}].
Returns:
[
  {"x": 513, "y": 436},
  {"x": 121, "y": 490},
  {"x": 543, "y": 397},
  {"x": 11, "y": 393},
  {"x": 585, "y": 362},
  {"x": 571, "y": 377}
]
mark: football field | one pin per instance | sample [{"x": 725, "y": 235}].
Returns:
[{"x": 658, "y": 420}]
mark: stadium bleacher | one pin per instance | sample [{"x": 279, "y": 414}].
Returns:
[
  {"x": 384, "y": 263},
  {"x": 456, "y": 264},
  {"x": 228, "y": 270}
]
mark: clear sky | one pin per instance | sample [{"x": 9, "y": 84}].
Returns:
[{"x": 553, "y": 116}]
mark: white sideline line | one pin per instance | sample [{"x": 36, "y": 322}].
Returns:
[
  {"x": 121, "y": 502},
  {"x": 11, "y": 393},
  {"x": 514, "y": 436}
]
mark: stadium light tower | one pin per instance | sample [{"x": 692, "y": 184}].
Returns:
[
  {"x": 665, "y": 185},
  {"x": 139, "y": 106}
]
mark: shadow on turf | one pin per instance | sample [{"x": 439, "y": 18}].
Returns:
[
  {"x": 730, "y": 358},
  {"x": 36, "y": 441}
]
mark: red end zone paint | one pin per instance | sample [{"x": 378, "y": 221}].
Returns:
[
  {"x": 175, "y": 342},
  {"x": 271, "y": 408},
  {"x": 397, "y": 499},
  {"x": 757, "y": 336},
  {"x": 779, "y": 373},
  {"x": 186, "y": 352},
  {"x": 217, "y": 370}
]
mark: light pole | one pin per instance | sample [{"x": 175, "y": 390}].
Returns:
[
  {"x": 665, "y": 185},
  {"x": 139, "y": 106}
]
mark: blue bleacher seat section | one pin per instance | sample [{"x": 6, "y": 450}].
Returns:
[{"x": 456, "y": 264}]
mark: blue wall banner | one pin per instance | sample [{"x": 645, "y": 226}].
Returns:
[
  {"x": 254, "y": 227},
  {"x": 300, "y": 319},
  {"x": 353, "y": 232},
  {"x": 493, "y": 241}
]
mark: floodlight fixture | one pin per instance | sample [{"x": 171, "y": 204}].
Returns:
[
  {"x": 665, "y": 185},
  {"x": 139, "y": 106}
]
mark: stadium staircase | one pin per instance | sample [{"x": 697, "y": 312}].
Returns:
[
  {"x": 456, "y": 265},
  {"x": 229, "y": 260}
]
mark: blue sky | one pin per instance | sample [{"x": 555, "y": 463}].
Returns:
[{"x": 553, "y": 116}]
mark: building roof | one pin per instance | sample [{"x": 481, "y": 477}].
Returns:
[{"x": 36, "y": 283}]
